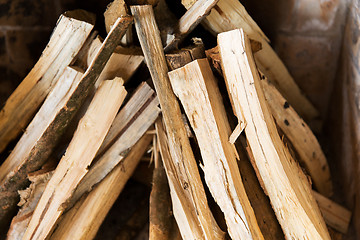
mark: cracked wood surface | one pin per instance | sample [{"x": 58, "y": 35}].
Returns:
[
  {"x": 285, "y": 183},
  {"x": 193, "y": 197},
  {"x": 195, "y": 86}
]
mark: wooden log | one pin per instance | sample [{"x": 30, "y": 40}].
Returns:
[
  {"x": 229, "y": 15},
  {"x": 195, "y": 86},
  {"x": 114, "y": 10},
  {"x": 284, "y": 182},
  {"x": 66, "y": 40},
  {"x": 296, "y": 130},
  {"x": 200, "y": 223},
  {"x": 335, "y": 215},
  {"x": 128, "y": 127},
  {"x": 73, "y": 166},
  {"x": 193, "y": 16},
  {"x": 301, "y": 137},
  {"x": 84, "y": 219},
  {"x": 39, "y": 139}
]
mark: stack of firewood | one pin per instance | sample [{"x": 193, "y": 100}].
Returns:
[{"x": 80, "y": 133}]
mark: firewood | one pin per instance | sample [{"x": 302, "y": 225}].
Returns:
[
  {"x": 185, "y": 55},
  {"x": 335, "y": 215},
  {"x": 284, "y": 182},
  {"x": 301, "y": 137},
  {"x": 193, "y": 16},
  {"x": 73, "y": 166},
  {"x": 84, "y": 219},
  {"x": 114, "y": 10},
  {"x": 229, "y": 15},
  {"x": 195, "y": 86},
  {"x": 296, "y": 130},
  {"x": 39, "y": 140},
  {"x": 28, "y": 201},
  {"x": 67, "y": 39},
  {"x": 200, "y": 223},
  {"x": 130, "y": 124}
]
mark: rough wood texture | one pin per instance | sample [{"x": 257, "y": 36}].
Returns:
[
  {"x": 67, "y": 39},
  {"x": 193, "y": 16},
  {"x": 73, "y": 166},
  {"x": 284, "y": 182},
  {"x": 130, "y": 124},
  {"x": 301, "y": 137},
  {"x": 193, "y": 198},
  {"x": 85, "y": 218},
  {"x": 39, "y": 139},
  {"x": 114, "y": 10},
  {"x": 334, "y": 214},
  {"x": 195, "y": 86},
  {"x": 231, "y": 14}
]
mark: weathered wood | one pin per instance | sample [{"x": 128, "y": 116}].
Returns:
[
  {"x": 229, "y": 15},
  {"x": 39, "y": 139},
  {"x": 335, "y": 215},
  {"x": 285, "y": 183},
  {"x": 114, "y": 10},
  {"x": 66, "y": 40},
  {"x": 74, "y": 164},
  {"x": 188, "y": 183},
  {"x": 301, "y": 137},
  {"x": 192, "y": 17},
  {"x": 195, "y": 86},
  {"x": 84, "y": 219},
  {"x": 130, "y": 124}
]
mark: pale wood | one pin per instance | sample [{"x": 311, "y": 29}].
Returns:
[
  {"x": 28, "y": 201},
  {"x": 66, "y": 40},
  {"x": 195, "y": 86},
  {"x": 285, "y": 183},
  {"x": 301, "y": 137},
  {"x": 335, "y": 215},
  {"x": 114, "y": 10},
  {"x": 229, "y": 15},
  {"x": 85, "y": 218},
  {"x": 74, "y": 164},
  {"x": 193, "y": 198},
  {"x": 192, "y": 17},
  {"x": 134, "y": 119}
]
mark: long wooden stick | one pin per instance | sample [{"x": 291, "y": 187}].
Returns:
[
  {"x": 66, "y": 40},
  {"x": 203, "y": 225},
  {"x": 229, "y": 15},
  {"x": 284, "y": 182},
  {"x": 84, "y": 219},
  {"x": 195, "y": 86},
  {"x": 73, "y": 166}
]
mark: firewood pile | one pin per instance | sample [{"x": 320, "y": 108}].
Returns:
[{"x": 223, "y": 132}]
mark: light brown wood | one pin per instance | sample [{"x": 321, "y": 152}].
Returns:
[
  {"x": 84, "y": 219},
  {"x": 40, "y": 138},
  {"x": 229, "y": 15},
  {"x": 114, "y": 10},
  {"x": 192, "y": 17},
  {"x": 195, "y": 86},
  {"x": 130, "y": 124},
  {"x": 200, "y": 224},
  {"x": 67, "y": 39},
  {"x": 335, "y": 215},
  {"x": 301, "y": 137},
  {"x": 285, "y": 183},
  {"x": 73, "y": 166}
]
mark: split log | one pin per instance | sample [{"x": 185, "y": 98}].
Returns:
[
  {"x": 193, "y": 16},
  {"x": 39, "y": 139},
  {"x": 296, "y": 130},
  {"x": 335, "y": 215},
  {"x": 191, "y": 203},
  {"x": 284, "y": 181},
  {"x": 195, "y": 86},
  {"x": 65, "y": 42},
  {"x": 128, "y": 127},
  {"x": 114, "y": 10},
  {"x": 185, "y": 55},
  {"x": 229, "y": 15},
  {"x": 301, "y": 137},
  {"x": 73, "y": 166},
  {"x": 84, "y": 219}
]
